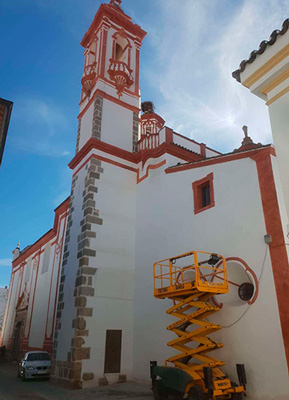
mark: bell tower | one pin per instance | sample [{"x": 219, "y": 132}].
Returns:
[
  {"x": 93, "y": 338},
  {"x": 110, "y": 94}
]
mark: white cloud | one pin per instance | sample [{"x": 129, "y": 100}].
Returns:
[
  {"x": 197, "y": 45},
  {"x": 5, "y": 262}
]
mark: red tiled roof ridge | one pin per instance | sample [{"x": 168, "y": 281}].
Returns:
[
  {"x": 185, "y": 148},
  {"x": 262, "y": 47}
]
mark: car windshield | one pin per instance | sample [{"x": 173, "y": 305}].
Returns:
[{"x": 38, "y": 357}]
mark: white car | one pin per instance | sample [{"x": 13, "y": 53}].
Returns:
[{"x": 35, "y": 364}]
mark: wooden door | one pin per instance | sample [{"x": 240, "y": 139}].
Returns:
[{"x": 112, "y": 352}]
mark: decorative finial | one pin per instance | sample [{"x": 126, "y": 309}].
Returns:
[
  {"x": 18, "y": 245},
  {"x": 115, "y": 3},
  {"x": 245, "y": 130},
  {"x": 247, "y": 143}
]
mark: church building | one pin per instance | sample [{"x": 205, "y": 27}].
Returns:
[{"x": 140, "y": 193}]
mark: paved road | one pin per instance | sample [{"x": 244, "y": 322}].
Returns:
[{"x": 13, "y": 388}]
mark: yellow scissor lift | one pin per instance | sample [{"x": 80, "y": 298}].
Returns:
[{"x": 191, "y": 284}]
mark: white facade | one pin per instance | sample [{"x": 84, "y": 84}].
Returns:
[
  {"x": 268, "y": 78},
  {"x": 135, "y": 199},
  {"x": 28, "y": 323},
  {"x": 235, "y": 227}
]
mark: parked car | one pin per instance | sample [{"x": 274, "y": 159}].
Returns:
[{"x": 35, "y": 364}]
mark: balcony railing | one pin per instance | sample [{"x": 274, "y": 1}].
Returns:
[
  {"x": 149, "y": 142},
  {"x": 88, "y": 78},
  {"x": 120, "y": 73}
]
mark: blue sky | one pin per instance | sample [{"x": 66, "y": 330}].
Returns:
[{"x": 187, "y": 59}]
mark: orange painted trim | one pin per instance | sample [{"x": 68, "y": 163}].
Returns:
[
  {"x": 169, "y": 135},
  {"x": 33, "y": 299},
  {"x": 103, "y": 55},
  {"x": 45, "y": 238},
  {"x": 116, "y": 17},
  {"x": 104, "y": 159},
  {"x": 99, "y": 51},
  {"x": 197, "y": 193},
  {"x": 141, "y": 156},
  {"x": 137, "y": 71},
  {"x": 171, "y": 149},
  {"x": 39, "y": 243},
  {"x": 110, "y": 98},
  {"x": 150, "y": 167},
  {"x": 203, "y": 149},
  {"x": 278, "y": 251},
  {"x": 152, "y": 116},
  {"x": 93, "y": 143},
  {"x": 35, "y": 349},
  {"x": 126, "y": 90},
  {"x": 221, "y": 159},
  {"x": 53, "y": 267},
  {"x": 21, "y": 280},
  {"x": 118, "y": 101}
]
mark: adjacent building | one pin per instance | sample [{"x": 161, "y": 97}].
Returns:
[
  {"x": 140, "y": 193},
  {"x": 3, "y": 299},
  {"x": 28, "y": 323},
  {"x": 5, "y": 114}
]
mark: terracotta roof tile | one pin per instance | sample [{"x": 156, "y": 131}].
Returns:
[{"x": 262, "y": 47}]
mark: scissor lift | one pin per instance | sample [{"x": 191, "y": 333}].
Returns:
[{"x": 190, "y": 285}]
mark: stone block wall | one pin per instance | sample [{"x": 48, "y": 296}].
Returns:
[
  {"x": 135, "y": 132},
  {"x": 70, "y": 370},
  {"x": 97, "y": 117}
]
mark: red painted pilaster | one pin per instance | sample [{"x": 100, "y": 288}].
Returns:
[{"x": 277, "y": 247}]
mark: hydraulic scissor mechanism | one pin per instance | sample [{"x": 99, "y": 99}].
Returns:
[{"x": 188, "y": 281}]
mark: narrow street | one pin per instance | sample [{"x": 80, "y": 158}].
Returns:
[{"x": 13, "y": 388}]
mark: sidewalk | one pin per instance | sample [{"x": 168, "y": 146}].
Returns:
[{"x": 13, "y": 388}]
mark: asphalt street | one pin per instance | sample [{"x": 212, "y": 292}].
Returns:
[{"x": 13, "y": 388}]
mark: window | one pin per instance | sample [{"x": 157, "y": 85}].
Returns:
[
  {"x": 27, "y": 270},
  {"x": 38, "y": 357},
  {"x": 118, "y": 52},
  {"x": 46, "y": 259},
  {"x": 121, "y": 48},
  {"x": 206, "y": 195},
  {"x": 203, "y": 190}
]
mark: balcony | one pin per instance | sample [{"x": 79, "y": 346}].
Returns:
[
  {"x": 121, "y": 75},
  {"x": 89, "y": 78},
  {"x": 149, "y": 141}
]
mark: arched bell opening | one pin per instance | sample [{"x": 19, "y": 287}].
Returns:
[
  {"x": 119, "y": 69},
  {"x": 121, "y": 50}
]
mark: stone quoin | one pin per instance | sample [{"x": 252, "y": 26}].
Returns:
[{"x": 140, "y": 193}]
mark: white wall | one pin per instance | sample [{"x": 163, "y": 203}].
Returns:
[
  {"x": 38, "y": 323},
  {"x": 39, "y": 289},
  {"x": 279, "y": 123},
  {"x": 115, "y": 277},
  {"x": 183, "y": 141},
  {"x": 117, "y": 125},
  {"x": 166, "y": 226},
  {"x": 86, "y": 126}
]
